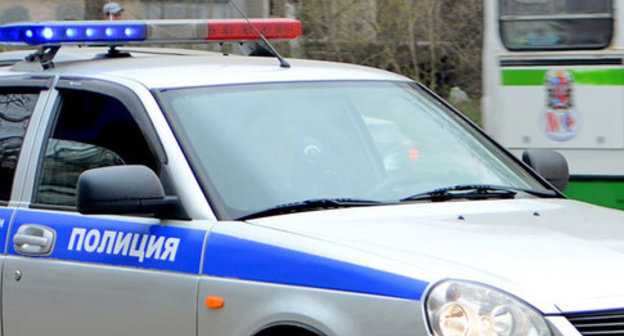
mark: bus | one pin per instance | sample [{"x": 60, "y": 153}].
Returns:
[{"x": 553, "y": 77}]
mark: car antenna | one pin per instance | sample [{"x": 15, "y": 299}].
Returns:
[{"x": 283, "y": 62}]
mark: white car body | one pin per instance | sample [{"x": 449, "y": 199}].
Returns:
[{"x": 334, "y": 270}]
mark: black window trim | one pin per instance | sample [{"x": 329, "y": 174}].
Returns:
[
  {"x": 35, "y": 82},
  {"x": 555, "y": 17}
]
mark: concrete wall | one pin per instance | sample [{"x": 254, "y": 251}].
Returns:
[
  {"x": 157, "y": 9},
  {"x": 38, "y": 10}
]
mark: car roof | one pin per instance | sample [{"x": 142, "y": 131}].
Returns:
[
  {"x": 74, "y": 52},
  {"x": 172, "y": 68}
]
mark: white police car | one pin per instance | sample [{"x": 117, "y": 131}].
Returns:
[{"x": 171, "y": 192}]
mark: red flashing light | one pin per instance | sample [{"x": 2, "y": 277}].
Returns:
[
  {"x": 414, "y": 154},
  {"x": 240, "y": 29}
]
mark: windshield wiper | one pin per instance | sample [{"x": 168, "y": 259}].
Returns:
[
  {"x": 473, "y": 192},
  {"x": 311, "y": 205}
]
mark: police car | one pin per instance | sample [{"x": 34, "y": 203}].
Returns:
[{"x": 174, "y": 192}]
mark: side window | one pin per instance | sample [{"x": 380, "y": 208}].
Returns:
[
  {"x": 16, "y": 107},
  {"x": 91, "y": 130},
  {"x": 549, "y": 25}
]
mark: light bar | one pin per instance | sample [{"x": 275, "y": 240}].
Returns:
[
  {"x": 241, "y": 30},
  {"x": 146, "y": 32},
  {"x": 72, "y": 32}
]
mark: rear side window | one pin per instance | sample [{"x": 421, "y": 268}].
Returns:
[
  {"x": 556, "y": 25},
  {"x": 16, "y": 107}
]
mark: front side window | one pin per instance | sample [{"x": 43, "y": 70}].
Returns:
[
  {"x": 91, "y": 130},
  {"x": 258, "y": 146},
  {"x": 16, "y": 107},
  {"x": 556, "y": 24}
]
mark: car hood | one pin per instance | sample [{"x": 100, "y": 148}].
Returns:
[{"x": 559, "y": 255}]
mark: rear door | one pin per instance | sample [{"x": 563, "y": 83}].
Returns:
[
  {"x": 19, "y": 97},
  {"x": 70, "y": 274}
]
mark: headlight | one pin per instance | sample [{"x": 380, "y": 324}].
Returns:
[{"x": 464, "y": 309}]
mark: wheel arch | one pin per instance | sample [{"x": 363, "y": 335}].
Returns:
[{"x": 288, "y": 328}]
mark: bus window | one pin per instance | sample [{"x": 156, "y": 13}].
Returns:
[{"x": 555, "y": 24}]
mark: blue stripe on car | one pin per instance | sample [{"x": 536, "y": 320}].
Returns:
[
  {"x": 228, "y": 256},
  {"x": 127, "y": 243},
  {"x": 5, "y": 220}
]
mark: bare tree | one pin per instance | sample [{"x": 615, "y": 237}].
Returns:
[
  {"x": 437, "y": 42},
  {"x": 462, "y": 35}
]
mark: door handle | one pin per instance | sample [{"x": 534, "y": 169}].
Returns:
[
  {"x": 34, "y": 239},
  {"x": 22, "y": 239}
]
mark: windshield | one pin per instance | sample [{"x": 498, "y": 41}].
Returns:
[
  {"x": 562, "y": 24},
  {"x": 258, "y": 146}
]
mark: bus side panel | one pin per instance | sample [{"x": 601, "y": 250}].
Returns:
[{"x": 562, "y": 107}]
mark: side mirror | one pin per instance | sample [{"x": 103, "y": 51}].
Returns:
[
  {"x": 130, "y": 189},
  {"x": 551, "y": 165}
]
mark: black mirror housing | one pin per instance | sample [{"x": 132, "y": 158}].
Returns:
[
  {"x": 551, "y": 165},
  {"x": 128, "y": 189}
]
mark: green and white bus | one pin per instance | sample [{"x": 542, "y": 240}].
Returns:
[{"x": 553, "y": 77}]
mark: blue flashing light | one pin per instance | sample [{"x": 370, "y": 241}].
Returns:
[
  {"x": 73, "y": 32},
  {"x": 47, "y": 33}
]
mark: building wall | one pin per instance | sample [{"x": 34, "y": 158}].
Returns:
[
  {"x": 158, "y": 9},
  {"x": 38, "y": 10}
]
